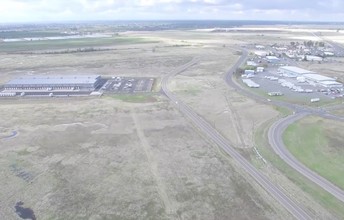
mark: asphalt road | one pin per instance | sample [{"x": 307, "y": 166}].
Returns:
[
  {"x": 276, "y": 131},
  {"x": 14, "y": 133},
  {"x": 275, "y": 138},
  {"x": 293, "y": 207}
]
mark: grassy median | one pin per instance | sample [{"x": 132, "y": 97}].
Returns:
[
  {"x": 322, "y": 197},
  {"x": 318, "y": 143}
]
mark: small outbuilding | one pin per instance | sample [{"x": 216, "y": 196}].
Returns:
[
  {"x": 260, "y": 53},
  {"x": 314, "y": 58},
  {"x": 260, "y": 47},
  {"x": 260, "y": 69}
]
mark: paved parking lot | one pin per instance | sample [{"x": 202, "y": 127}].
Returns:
[
  {"x": 123, "y": 85},
  {"x": 268, "y": 82},
  {"x": 128, "y": 85}
]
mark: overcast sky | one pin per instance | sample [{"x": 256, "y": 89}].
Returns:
[{"x": 61, "y": 10}]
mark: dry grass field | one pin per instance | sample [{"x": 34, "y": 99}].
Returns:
[
  {"x": 235, "y": 116},
  {"x": 108, "y": 159},
  {"x": 104, "y": 158},
  {"x": 117, "y": 157}
]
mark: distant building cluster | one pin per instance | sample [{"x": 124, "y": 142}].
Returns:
[
  {"x": 306, "y": 51},
  {"x": 312, "y": 78}
]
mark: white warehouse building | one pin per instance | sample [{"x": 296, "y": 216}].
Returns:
[
  {"x": 322, "y": 80},
  {"x": 312, "y": 78},
  {"x": 261, "y": 53},
  {"x": 314, "y": 58},
  {"x": 293, "y": 71}
]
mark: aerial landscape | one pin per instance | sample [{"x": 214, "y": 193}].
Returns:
[{"x": 209, "y": 110}]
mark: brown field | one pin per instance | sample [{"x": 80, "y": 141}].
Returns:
[{"x": 103, "y": 158}]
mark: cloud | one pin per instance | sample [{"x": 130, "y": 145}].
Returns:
[{"x": 59, "y": 10}]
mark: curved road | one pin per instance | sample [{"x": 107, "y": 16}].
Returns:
[
  {"x": 14, "y": 133},
  {"x": 277, "y": 129},
  {"x": 293, "y": 207},
  {"x": 275, "y": 138}
]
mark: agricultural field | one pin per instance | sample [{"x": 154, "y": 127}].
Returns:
[{"x": 51, "y": 45}]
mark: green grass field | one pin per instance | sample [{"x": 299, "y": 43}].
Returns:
[
  {"x": 69, "y": 43},
  {"x": 30, "y": 34},
  {"x": 319, "y": 144},
  {"x": 324, "y": 198}
]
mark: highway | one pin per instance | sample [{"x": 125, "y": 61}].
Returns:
[
  {"x": 277, "y": 193},
  {"x": 277, "y": 129}
]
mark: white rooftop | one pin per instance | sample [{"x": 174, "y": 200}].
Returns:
[
  {"x": 296, "y": 69},
  {"x": 310, "y": 57},
  {"x": 318, "y": 77},
  {"x": 331, "y": 83},
  {"x": 250, "y": 83},
  {"x": 251, "y": 63},
  {"x": 272, "y": 58},
  {"x": 260, "y": 52},
  {"x": 47, "y": 80}
]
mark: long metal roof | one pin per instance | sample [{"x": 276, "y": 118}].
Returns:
[
  {"x": 296, "y": 69},
  {"x": 54, "y": 80},
  {"x": 318, "y": 77}
]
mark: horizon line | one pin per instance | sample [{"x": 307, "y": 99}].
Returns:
[{"x": 170, "y": 20}]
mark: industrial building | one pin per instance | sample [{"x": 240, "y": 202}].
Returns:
[
  {"x": 314, "y": 58},
  {"x": 251, "y": 63},
  {"x": 260, "y": 47},
  {"x": 260, "y": 69},
  {"x": 310, "y": 77},
  {"x": 317, "y": 78},
  {"x": 249, "y": 72},
  {"x": 41, "y": 83},
  {"x": 293, "y": 71},
  {"x": 261, "y": 53},
  {"x": 321, "y": 80},
  {"x": 328, "y": 53},
  {"x": 272, "y": 59},
  {"x": 331, "y": 84}
]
